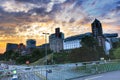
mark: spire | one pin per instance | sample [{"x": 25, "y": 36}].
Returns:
[{"x": 96, "y": 20}]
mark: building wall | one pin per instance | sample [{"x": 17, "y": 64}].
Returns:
[
  {"x": 11, "y": 46},
  {"x": 31, "y": 43},
  {"x": 56, "y": 41},
  {"x": 108, "y": 45},
  {"x": 104, "y": 40},
  {"x": 98, "y": 32},
  {"x": 97, "y": 28},
  {"x": 56, "y": 44},
  {"x": 72, "y": 44}
]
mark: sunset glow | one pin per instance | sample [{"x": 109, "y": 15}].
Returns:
[{"x": 28, "y": 19}]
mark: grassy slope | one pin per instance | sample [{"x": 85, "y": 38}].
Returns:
[{"x": 42, "y": 60}]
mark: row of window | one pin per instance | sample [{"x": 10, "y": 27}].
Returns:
[{"x": 72, "y": 44}]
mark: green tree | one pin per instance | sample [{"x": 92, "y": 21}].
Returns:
[
  {"x": 101, "y": 53},
  {"x": 2, "y": 57},
  {"x": 116, "y": 44},
  {"x": 8, "y": 54},
  {"x": 83, "y": 54},
  {"x": 92, "y": 45},
  {"x": 60, "y": 57},
  {"x": 89, "y": 41},
  {"x": 90, "y": 51},
  {"x": 116, "y": 53},
  {"x": 23, "y": 59},
  {"x": 14, "y": 55},
  {"x": 38, "y": 53},
  {"x": 111, "y": 54}
]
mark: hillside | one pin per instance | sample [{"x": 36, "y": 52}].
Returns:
[{"x": 42, "y": 60}]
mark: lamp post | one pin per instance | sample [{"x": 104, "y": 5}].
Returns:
[{"x": 46, "y": 52}]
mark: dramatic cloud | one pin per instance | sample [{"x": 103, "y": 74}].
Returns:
[
  {"x": 12, "y": 6},
  {"x": 23, "y": 19}
]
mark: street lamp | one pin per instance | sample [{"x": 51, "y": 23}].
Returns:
[{"x": 46, "y": 52}]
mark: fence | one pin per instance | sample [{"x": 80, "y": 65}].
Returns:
[{"x": 61, "y": 72}]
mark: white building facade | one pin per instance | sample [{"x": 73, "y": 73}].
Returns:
[
  {"x": 74, "y": 41},
  {"x": 109, "y": 41},
  {"x": 72, "y": 44}
]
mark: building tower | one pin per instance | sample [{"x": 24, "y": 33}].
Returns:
[
  {"x": 56, "y": 40},
  {"x": 11, "y": 46},
  {"x": 31, "y": 43},
  {"x": 97, "y": 28},
  {"x": 98, "y": 32}
]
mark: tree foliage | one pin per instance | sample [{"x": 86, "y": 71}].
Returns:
[
  {"x": 89, "y": 41},
  {"x": 34, "y": 56},
  {"x": 61, "y": 57},
  {"x": 21, "y": 59},
  {"x": 10, "y": 55},
  {"x": 83, "y": 54},
  {"x": 90, "y": 51},
  {"x": 116, "y": 53},
  {"x": 116, "y": 44}
]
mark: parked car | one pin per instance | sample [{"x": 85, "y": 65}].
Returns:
[
  {"x": 4, "y": 66},
  {"x": 14, "y": 77}
]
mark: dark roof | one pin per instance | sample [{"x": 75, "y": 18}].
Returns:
[
  {"x": 11, "y": 46},
  {"x": 96, "y": 21},
  {"x": 43, "y": 45},
  {"x": 115, "y": 40},
  {"x": 31, "y": 40},
  {"x": 76, "y": 37},
  {"x": 111, "y": 35},
  {"x": 53, "y": 35}
]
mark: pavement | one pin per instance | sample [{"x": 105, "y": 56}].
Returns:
[
  {"x": 58, "y": 72},
  {"x": 115, "y": 75}
]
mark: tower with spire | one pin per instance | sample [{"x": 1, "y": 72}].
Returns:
[
  {"x": 97, "y": 28},
  {"x": 98, "y": 32}
]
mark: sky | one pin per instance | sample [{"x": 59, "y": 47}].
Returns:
[{"x": 28, "y": 19}]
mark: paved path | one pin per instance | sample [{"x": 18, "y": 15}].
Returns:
[
  {"x": 6, "y": 78},
  {"x": 115, "y": 75}
]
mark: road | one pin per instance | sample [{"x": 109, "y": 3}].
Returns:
[
  {"x": 22, "y": 73},
  {"x": 5, "y": 78},
  {"x": 58, "y": 72},
  {"x": 115, "y": 75},
  {"x": 39, "y": 72}
]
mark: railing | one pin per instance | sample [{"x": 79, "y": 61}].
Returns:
[
  {"x": 97, "y": 68},
  {"x": 62, "y": 72}
]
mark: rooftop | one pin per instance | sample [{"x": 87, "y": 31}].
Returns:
[{"x": 76, "y": 37}]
